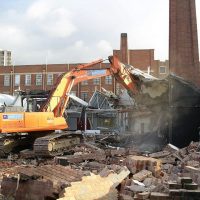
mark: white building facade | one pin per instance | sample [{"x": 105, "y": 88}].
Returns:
[{"x": 5, "y": 58}]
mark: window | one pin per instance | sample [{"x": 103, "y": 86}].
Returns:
[
  {"x": 96, "y": 81},
  {"x": 28, "y": 79},
  {"x": 38, "y": 79},
  {"x": 162, "y": 70},
  {"x": 84, "y": 83},
  {"x": 49, "y": 79},
  {"x": 108, "y": 80},
  {"x": 6, "y": 80},
  {"x": 84, "y": 96},
  {"x": 17, "y": 79}
]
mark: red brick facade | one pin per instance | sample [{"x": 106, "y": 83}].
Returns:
[
  {"x": 45, "y": 70},
  {"x": 183, "y": 41},
  {"x": 142, "y": 59}
]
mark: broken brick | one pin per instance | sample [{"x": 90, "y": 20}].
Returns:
[
  {"x": 138, "y": 163},
  {"x": 140, "y": 176}
]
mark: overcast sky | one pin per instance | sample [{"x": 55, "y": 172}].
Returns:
[{"x": 71, "y": 31}]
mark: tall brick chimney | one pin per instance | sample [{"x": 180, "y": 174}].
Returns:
[
  {"x": 124, "y": 48},
  {"x": 183, "y": 40}
]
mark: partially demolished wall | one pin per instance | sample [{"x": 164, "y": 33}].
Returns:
[{"x": 175, "y": 107}]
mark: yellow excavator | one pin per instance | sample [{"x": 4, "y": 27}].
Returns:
[{"x": 17, "y": 128}]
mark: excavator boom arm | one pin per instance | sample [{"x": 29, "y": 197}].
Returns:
[
  {"x": 123, "y": 75},
  {"x": 58, "y": 99}
]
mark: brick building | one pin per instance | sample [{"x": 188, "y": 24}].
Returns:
[
  {"x": 43, "y": 77},
  {"x": 141, "y": 58},
  {"x": 183, "y": 40}
]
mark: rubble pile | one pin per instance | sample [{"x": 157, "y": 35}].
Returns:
[
  {"x": 37, "y": 182},
  {"x": 176, "y": 161},
  {"x": 90, "y": 172}
]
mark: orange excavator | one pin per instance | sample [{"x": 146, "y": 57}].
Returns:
[{"x": 17, "y": 128}]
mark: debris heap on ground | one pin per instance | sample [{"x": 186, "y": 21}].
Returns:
[{"x": 90, "y": 172}]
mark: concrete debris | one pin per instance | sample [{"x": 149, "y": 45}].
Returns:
[
  {"x": 138, "y": 163},
  {"x": 95, "y": 187},
  {"x": 148, "y": 182},
  {"x": 140, "y": 176},
  {"x": 138, "y": 183},
  {"x": 91, "y": 171},
  {"x": 136, "y": 188}
]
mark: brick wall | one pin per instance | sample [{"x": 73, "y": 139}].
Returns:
[
  {"x": 140, "y": 58},
  {"x": 143, "y": 59},
  {"x": 124, "y": 48},
  {"x": 183, "y": 42},
  {"x": 56, "y": 70}
]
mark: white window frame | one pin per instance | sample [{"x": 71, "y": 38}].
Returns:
[
  {"x": 17, "y": 79},
  {"x": 38, "y": 79},
  {"x": 27, "y": 79},
  {"x": 108, "y": 80},
  {"x": 49, "y": 79},
  {"x": 6, "y": 80},
  {"x": 164, "y": 67},
  {"x": 96, "y": 81}
]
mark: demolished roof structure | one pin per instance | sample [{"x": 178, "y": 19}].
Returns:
[
  {"x": 162, "y": 110},
  {"x": 175, "y": 105}
]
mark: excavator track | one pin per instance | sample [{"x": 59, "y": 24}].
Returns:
[
  {"x": 9, "y": 143},
  {"x": 55, "y": 144},
  {"x": 6, "y": 145}
]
